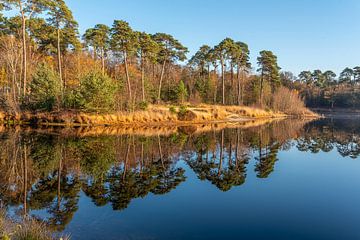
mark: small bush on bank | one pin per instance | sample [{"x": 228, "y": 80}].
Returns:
[
  {"x": 73, "y": 99},
  {"x": 182, "y": 92},
  {"x": 97, "y": 91},
  {"x": 172, "y": 109},
  {"x": 45, "y": 88},
  {"x": 182, "y": 110},
  {"x": 143, "y": 106},
  {"x": 288, "y": 101}
]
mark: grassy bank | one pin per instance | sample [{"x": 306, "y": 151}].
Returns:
[{"x": 153, "y": 115}]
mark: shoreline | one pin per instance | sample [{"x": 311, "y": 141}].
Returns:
[{"x": 155, "y": 115}]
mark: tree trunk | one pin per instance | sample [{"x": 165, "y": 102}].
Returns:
[
  {"x": 261, "y": 89},
  {"x": 216, "y": 85},
  {"x": 127, "y": 76},
  {"x": 209, "y": 74},
  {"x": 223, "y": 80},
  {"x": 143, "y": 78},
  {"x": 24, "y": 52},
  {"x": 59, "y": 180},
  {"x": 59, "y": 59},
  {"x": 232, "y": 74},
  {"x": 25, "y": 181},
  {"x": 221, "y": 153},
  {"x": 239, "y": 86},
  {"x": 103, "y": 61},
  {"x": 161, "y": 153},
  {"x": 161, "y": 79}
]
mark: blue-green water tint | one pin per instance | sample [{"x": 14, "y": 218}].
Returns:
[{"x": 292, "y": 180}]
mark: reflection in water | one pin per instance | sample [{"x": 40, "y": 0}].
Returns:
[{"x": 43, "y": 174}]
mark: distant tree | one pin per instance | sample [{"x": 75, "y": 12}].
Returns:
[
  {"x": 223, "y": 53},
  {"x": 124, "y": 42},
  {"x": 2, "y": 20},
  {"x": 357, "y": 74},
  {"x": 148, "y": 50},
  {"x": 98, "y": 38},
  {"x": 242, "y": 62},
  {"x": 306, "y": 77},
  {"x": 269, "y": 72},
  {"x": 201, "y": 59},
  {"x": 62, "y": 20},
  {"x": 26, "y": 9},
  {"x": 213, "y": 58},
  {"x": 346, "y": 76},
  {"x": 318, "y": 78},
  {"x": 329, "y": 77},
  {"x": 287, "y": 78},
  {"x": 201, "y": 63},
  {"x": 171, "y": 50}
]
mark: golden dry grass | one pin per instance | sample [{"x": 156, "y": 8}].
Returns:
[{"x": 155, "y": 114}]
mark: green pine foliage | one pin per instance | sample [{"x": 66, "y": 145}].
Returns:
[
  {"x": 182, "y": 92},
  {"x": 97, "y": 92},
  {"x": 45, "y": 88}
]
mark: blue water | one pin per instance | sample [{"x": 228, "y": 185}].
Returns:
[{"x": 307, "y": 196}]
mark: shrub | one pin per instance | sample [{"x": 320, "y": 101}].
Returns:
[
  {"x": 45, "y": 88},
  {"x": 143, "y": 105},
  {"x": 288, "y": 101},
  {"x": 172, "y": 110},
  {"x": 73, "y": 99},
  {"x": 182, "y": 110},
  {"x": 97, "y": 91},
  {"x": 182, "y": 93}
]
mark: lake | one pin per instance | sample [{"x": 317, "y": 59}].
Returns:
[{"x": 291, "y": 179}]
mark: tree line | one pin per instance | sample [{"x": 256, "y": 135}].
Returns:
[
  {"x": 45, "y": 64},
  {"x": 326, "y": 88}
]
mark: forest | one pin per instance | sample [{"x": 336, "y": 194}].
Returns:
[{"x": 45, "y": 65}]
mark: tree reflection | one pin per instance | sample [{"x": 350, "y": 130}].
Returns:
[
  {"x": 329, "y": 134},
  {"x": 48, "y": 171},
  {"x": 222, "y": 166}
]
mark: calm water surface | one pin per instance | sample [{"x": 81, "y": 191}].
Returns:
[{"x": 286, "y": 180}]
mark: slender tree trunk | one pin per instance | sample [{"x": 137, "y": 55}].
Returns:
[
  {"x": 223, "y": 80},
  {"x": 143, "y": 78},
  {"x": 59, "y": 180},
  {"x": 24, "y": 52},
  {"x": 59, "y": 59},
  {"x": 232, "y": 74},
  {"x": 242, "y": 75},
  {"x": 216, "y": 85},
  {"x": 142, "y": 158},
  {"x": 237, "y": 148},
  {"x": 161, "y": 79},
  {"x": 25, "y": 180},
  {"x": 126, "y": 160},
  {"x": 209, "y": 74},
  {"x": 238, "y": 86},
  {"x": 127, "y": 76},
  {"x": 103, "y": 61},
  {"x": 261, "y": 88},
  {"x": 221, "y": 153},
  {"x": 160, "y": 152}
]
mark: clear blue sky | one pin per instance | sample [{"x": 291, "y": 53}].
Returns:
[{"x": 304, "y": 34}]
